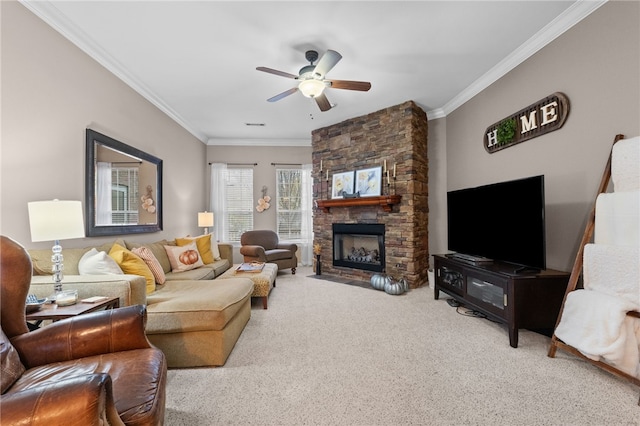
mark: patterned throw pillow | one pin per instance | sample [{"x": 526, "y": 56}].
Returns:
[
  {"x": 156, "y": 269},
  {"x": 184, "y": 258},
  {"x": 204, "y": 246},
  {"x": 96, "y": 262},
  {"x": 132, "y": 264}
]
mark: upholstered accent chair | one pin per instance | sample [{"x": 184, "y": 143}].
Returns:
[
  {"x": 97, "y": 368},
  {"x": 265, "y": 246}
]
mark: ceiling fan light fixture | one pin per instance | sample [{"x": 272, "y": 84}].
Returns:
[{"x": 311, "y": 87}]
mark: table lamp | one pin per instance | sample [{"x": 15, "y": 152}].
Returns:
[
  {"x": 205, "y": 219},
  {"x": 56, "y": 220}
]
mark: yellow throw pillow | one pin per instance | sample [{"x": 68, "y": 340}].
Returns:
[
  {"x": 132, "y": 264},
  {"x": 184, "y": 258},
  {"x": 204, "y": 246}
]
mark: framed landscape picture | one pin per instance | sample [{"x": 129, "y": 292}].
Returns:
[
  {"x": 369, "y": 182},
  {"x": 342, "y": 184}
]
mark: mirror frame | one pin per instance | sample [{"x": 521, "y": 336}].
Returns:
[{"x": 93, "y": 137}]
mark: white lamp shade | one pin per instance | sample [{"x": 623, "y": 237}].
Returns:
[
  {"x": 205, "y": 219},
  {"x": 55, "y": 220}
]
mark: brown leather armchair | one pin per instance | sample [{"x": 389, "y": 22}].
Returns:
[
  {"x": 94, "y": 369},
  {"x": 264, "y": 246}
]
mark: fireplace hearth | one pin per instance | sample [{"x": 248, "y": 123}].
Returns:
[{"x": 359, "y": 246}]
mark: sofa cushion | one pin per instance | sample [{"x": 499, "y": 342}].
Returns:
[
  {"x": 132, "y": 264},
  {"x": 96, "y": 262},
  {"x": 278, "y": 254},
  {"x": 156, "y": 268},
  {"x": 41, "y": 260},
  {"x": 158, "y": 251},
  {"x": 183, "y": 306},
  {"x": 219, "y": 266},
  {"x": 184, "y": 258},
  {"x": 203, "y": 243},
  {"x": 201, "y": 273}
]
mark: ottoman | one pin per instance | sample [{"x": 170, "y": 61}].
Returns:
[{"x": 263, "y": 281}]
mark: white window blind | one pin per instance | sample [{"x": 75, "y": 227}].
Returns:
[
  {"x": 124, "y": 195},
  {"x": 239, "y": 203},
  {"x": 289, "y": 204}
]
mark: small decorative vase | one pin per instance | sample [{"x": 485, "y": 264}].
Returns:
[
  {"x": 318, "y": 265},
  {"x": 379, "y": 281},
  {"x": 394, "y": 287}
]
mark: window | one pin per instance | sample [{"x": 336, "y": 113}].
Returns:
[
  {"x": 239, "y": 203},
  {"x": 124, "y": 195},
  {"x": 289, "y": 204}
]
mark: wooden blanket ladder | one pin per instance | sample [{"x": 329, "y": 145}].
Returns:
[{"x": 574, "y": 279}]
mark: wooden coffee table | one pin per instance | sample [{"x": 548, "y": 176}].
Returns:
[{"x": 53, "y": 312}]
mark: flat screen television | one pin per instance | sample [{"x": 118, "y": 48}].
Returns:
[{"x": 503, "y": 221}]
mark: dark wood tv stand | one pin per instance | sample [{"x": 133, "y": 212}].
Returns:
[{"x": 529, "y": 300}]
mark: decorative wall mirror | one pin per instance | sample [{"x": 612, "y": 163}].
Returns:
[{"x": 123, "y": 188}]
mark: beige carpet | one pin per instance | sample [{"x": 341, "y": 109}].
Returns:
[{"x": 327, "y": 353}]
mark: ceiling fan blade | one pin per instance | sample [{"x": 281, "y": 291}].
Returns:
[
  {"x": 283, "y": 94},
  {"x": 363, "y": 86},
  {"x": 276, "y": 72},
  {"x": 323, "y": 102},
  {"x": 328, "y": 61}
]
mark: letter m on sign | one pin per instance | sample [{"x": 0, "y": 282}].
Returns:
[{"x": 528, "y": 123}]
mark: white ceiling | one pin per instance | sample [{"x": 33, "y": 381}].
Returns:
[{"x": 196, "y": 60}]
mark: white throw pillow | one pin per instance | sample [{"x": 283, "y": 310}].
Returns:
[
  {"x": 214, "y": 248},
  {"x": 184, "y": 258},
  {"x": 96, "y": 262}
]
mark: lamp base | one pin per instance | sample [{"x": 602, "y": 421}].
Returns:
[{"x": 57, "y": 268}]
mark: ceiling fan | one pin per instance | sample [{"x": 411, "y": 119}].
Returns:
[{"x": 312, "y": 81}]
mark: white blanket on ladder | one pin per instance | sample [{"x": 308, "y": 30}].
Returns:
[{"x": 597, "y": 325}]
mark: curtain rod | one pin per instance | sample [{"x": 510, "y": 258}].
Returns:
[
  {"x": 238, "y": 164},
  {"x": 286, "y": 164}
]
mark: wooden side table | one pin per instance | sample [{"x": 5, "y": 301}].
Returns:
[{"x": 53, "y": 312}]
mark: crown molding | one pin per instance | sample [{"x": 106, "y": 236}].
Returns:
[
  {"x": 46, "y": 11},
  {"x": 563, "y": 22},
  {"x": 258, "y": 142},
  {"x": 435, "y": 114}
]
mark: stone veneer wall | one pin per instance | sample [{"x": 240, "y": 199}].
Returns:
[{"x": 398, "y": 135}]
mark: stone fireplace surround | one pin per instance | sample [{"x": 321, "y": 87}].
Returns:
[{"x": 398, "y": 135}]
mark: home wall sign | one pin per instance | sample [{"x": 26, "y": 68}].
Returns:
[{"x": 544, "y": 116}]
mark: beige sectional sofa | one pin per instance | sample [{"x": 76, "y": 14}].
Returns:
[{"x": 194, "y": 318}]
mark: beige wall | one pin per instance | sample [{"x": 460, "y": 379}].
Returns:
[
  {"x": 52, "y": 92},
  {"x": 596, "y": 64},
  {"x": 437, "y": 153}
]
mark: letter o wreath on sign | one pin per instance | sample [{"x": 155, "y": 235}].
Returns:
[{"x": 546, "y": 115}]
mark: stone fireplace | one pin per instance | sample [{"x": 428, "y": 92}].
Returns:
[{"x": 397, "y": 137}]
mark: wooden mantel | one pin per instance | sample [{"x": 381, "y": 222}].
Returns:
[{"x": 385, "y": 201}]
